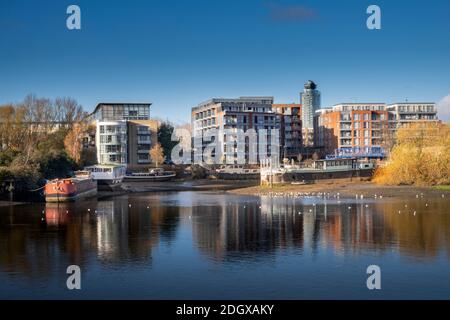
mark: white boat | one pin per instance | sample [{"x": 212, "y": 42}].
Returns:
[
  {"x": 108, "y": 177},
  {"x": 237, "y": 172},
  {"x": 152, "y": 175}
]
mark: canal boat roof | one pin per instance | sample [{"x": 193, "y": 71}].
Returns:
[{"x": 105, "y": 166}]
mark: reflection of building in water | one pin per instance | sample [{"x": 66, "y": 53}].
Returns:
[
  {"x": 129, "y": 233},
  {"x": 232, "y": 229},
  {"x": 229, "y": 229}
]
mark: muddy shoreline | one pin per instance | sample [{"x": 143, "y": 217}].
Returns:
[
  {"x": 346, "y": 189},
  {"x": 178, "y": 186}
]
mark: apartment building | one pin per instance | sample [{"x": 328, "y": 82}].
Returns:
[
  {"x": 367, "y": 129},
  {"x": 231, "y": 115},
  {"x": 353, "y": 129},
  {"x": 290, "y": 128},
  {"x": 124, "y": 133},
  {"x": 406, "y": 113}
]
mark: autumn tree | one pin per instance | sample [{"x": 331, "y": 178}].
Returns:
[
  {"x": 74, "y": 141},
  {"x": 421, "y": 156},
  {"x": 157, "y": 154}
]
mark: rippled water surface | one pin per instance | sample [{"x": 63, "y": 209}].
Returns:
[{"x": 219, "y": 246}]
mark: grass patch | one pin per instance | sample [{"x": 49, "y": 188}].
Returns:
[{"x": 444, "y": 187}]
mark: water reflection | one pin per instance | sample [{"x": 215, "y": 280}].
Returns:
[
  {"x": 346, "y": 227},
  {"x": 35, "y": 239},
  {"x": 38, "y": 241}
]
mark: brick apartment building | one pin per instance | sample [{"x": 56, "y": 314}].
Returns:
[
  {"x": 290, "y": 128},
  {"x": 366, "y": 129}
]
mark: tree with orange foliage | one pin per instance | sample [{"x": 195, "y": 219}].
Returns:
[
  {"x": 157, "y": 154},
  {"x": 73, "y": 142},
  {"x": 421, "y": 156}
]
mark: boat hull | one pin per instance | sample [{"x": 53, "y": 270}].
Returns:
[
  {"x": 67, "y": 190},
  {"x": 150, "y": 178},
  {"x": 109, "y": 185}
]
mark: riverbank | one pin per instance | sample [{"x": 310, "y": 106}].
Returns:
[
  {"x": 346, "y": 189},
  {"x": 9, "y": 203},
  {"x": 177, "y": 186}
]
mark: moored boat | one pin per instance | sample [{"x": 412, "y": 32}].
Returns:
[
  {"x": 237, "y": 172},
  {"x": 153, "y": 175},
  {"x": 70, "y": 189},
  {"x": 108, "y": 177}
]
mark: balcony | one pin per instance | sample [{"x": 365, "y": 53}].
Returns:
[{"x": 144, "y": 140}]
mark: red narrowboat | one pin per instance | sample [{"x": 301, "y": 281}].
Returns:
[{"x": 71, "y": 189}]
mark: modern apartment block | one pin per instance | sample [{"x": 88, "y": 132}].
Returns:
[
  {"x": 367, "y": 129},
  {"x": 290, "y": 128},
  {"x": 353, "y": 129},
  {"x": 310, "y": 100},
  {"x": 406, "y": 113},
  {"x": 231, "y": 115},
  {"x": 124, "y": 133}
]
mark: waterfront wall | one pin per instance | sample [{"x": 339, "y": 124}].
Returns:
[{"x": 311, "y": 177}]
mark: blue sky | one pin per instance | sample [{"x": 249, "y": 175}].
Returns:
[{"x": 178, "y": 53}]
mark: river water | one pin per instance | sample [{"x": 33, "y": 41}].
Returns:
[{"x": 192, "y": 245}]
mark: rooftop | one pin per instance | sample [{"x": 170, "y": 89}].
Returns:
[
  {"x": 120, "y": 103},
  {"x": 409, "y": 102},
  {"x": 233, "y": 100}
]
